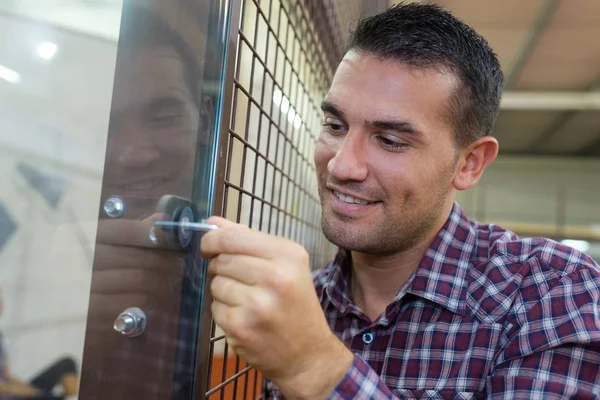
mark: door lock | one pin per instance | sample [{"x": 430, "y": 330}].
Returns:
[{"x": 179, "y": 229}]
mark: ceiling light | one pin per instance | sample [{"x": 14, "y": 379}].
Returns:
[
  {"x": 297, "y": 122},
  {"x": 9, "y": 75},
  {"x": 291, "y": 114},
  {"x": 580, "y": 245},
  {"x": 47, "y": 50},
  {"x": 285, "y": 105},
  {"x": 277, "y": 96}
]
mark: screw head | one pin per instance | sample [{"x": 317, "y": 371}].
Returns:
[
  {"x": 131, "y": 322},
  {"x": 114, "y": 207},
  {"x": 124, "y": 324}
]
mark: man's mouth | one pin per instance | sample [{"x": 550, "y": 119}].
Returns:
[
  {"x": 350, "y": 199},
  {"x": 148, "y": 183}
]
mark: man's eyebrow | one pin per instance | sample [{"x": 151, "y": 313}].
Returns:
[
  {"x": 328, "y": 107},
  {"x": 392, "y": 125}
]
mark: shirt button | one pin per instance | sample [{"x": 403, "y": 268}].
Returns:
[{"x": 367, "y": 338}]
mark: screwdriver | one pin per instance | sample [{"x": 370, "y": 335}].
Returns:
[{"x": 186, "y": 225}]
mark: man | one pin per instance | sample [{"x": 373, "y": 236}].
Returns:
[{"x": 420, "y": 302}]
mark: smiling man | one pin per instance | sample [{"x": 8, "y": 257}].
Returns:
[{"x": 420, "y": 302}]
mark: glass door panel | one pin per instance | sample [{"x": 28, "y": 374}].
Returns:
[{"x": 108, "y": 133}]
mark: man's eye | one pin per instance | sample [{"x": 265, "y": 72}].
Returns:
[
  {"x": 166, "y": 116},
  {"x": 389, "y": 143},
  {"x": 334, "y": 128}
]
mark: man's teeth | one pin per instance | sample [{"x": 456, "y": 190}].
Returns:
[{"x": 349, "y": 199}]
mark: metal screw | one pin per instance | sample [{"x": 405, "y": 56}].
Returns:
[
  {"x": 114, "y": 207},
  {"x": 131, "y": 322},
  {"x": 124, "y": 324}
]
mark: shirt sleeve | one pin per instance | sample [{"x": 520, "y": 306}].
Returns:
[
  {"x": 555, "y": 350},
  {"x": 361, "y": 382}
]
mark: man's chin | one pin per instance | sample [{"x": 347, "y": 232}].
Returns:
[{"x": 343, "y": 233}]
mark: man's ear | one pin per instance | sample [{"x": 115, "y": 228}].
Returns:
[{"x": 473, "y": 160}]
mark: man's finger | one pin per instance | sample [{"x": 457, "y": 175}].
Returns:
[
  {"x": 130, "y": 232},
  {"x": 245, "y": 269},
  {"x": 220, "y": 222},
  {"x": 242, "y": 240},
  {"x": 229, "y": 291},
  {"x": 118, "y": 257},
  {"x": 220, "y": 313}
]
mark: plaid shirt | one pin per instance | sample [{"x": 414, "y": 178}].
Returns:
[{"x": 485, "y": 315}]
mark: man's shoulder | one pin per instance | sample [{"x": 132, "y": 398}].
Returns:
[
  {"x": 543, "y": 255},
  {"x": 510, "y": 274}
]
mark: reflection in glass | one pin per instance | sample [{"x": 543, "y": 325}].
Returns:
[
  {"x": 159, "y": 149},
  {"x": 74, "y": 84}
]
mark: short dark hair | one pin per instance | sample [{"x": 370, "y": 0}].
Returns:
[{"x": 427, "y": 36}]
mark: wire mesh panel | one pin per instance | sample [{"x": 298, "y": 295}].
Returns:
[{"x": 281, "y": 75}]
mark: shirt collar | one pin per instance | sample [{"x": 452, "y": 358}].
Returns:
[
  {"x": 441, "y": 276},
  {"x": 336, "y": 287},
  {"x": 442, "y": 273}
]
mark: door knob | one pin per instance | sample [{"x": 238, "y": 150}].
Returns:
[{"x": 131, "y": 322}]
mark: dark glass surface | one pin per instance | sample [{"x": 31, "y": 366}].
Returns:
[{"x": 158, "y": 167}]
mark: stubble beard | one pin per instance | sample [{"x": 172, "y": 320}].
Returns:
[
  {"x": 396, "y": 231},
  {"x": 393, "y": 235}
]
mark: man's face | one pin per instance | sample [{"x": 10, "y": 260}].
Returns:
[
  {"x": 154, "y": 127},
  {"x": 387, "y": 143}
]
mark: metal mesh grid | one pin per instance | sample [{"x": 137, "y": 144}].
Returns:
[{"x": 281, "y": 75}]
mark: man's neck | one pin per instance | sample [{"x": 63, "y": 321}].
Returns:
[{"x": 376, "y": 279}]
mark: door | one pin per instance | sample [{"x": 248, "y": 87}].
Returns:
[
  {"x": 108, "y": 131},
  {"x": 148, "y": 280}
]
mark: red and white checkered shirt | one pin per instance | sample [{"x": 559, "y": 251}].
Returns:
[{"x": 485, "y": 315}]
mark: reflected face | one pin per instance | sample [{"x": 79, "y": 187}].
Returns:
[
  {"x": 385, "y": 158},
  {"x": 154, "y": 126}
]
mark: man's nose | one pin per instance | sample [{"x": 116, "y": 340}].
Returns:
[
  {"x": 349, "y": 161},
  {"x": 132, "y": 149},
  {"x": 137, "y": 155}
]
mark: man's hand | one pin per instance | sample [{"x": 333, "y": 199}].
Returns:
[
  {"x": 131, "y": 270},
  {"x": 265, "y": 302}
]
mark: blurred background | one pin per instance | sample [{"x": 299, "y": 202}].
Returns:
[{"x": 57, "y": 66}]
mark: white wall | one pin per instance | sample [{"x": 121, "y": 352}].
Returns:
[
  {"x": 536, "y": 190},
  {"x": 55, "y": 120}
]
